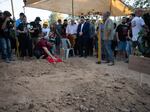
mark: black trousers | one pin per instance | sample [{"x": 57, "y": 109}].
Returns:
[
  {"x": 25, "y": 46},
  {"x": 91, "y": 45},
  {"x": 76, "y": 46},
  {"x": 84, "y": 46}
]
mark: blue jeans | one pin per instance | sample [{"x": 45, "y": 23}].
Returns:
[
  {"x": 103, "y": 50},
  {"x": 5, "y": 48},
  {"x": 129, "y": 48},
  {"x": 109, "y": 53},
  {"x": 122, "y": 46}
]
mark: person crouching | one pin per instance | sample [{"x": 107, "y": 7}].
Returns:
[{"x": 42, "y": 50}]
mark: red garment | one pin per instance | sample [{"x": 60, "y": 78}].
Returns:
[
  {"x": 50, "y": 60},
  {"x": 44, "y": 43}
]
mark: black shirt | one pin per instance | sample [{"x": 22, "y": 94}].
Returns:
[
  {"x": 37, "y": 29},
  {"x": 21, "y": 27},
  {"x": 1, "y": 31},
  {"x": 122, "y": 30},
  {"x": 5, "y": 32}
]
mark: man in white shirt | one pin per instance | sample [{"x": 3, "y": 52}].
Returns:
[
  {"x": 71, "y": 32},
  {"x": 137, "y": 25}
]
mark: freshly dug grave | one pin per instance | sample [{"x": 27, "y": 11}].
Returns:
[{"x": 76, "y": 85}]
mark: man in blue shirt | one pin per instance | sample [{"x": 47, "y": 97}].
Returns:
[{"x": 19, "y": 21}]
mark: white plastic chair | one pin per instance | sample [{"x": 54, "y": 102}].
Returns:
[{"x": 66, "y": 45}]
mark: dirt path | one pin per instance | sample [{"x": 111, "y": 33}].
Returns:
[{"x": 77, "y": 85}]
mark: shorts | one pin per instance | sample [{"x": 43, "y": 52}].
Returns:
[{"x": 122, "y": 46}]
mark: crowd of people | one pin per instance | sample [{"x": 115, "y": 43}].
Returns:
[{"x": 118, "y": 41}]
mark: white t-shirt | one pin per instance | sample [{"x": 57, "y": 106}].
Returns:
[
  {"x": 71, "y": 29},
  {"x": 46, "y": 32},
  {"x": 137, "y": 24}
]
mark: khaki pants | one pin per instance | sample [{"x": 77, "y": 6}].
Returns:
[{"x": 72, "y": 39}]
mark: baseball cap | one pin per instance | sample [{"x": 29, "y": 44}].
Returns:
[{"x": 38, "y": 19}]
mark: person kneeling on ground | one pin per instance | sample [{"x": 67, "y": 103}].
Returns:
[{"x": 42, "y": 50}]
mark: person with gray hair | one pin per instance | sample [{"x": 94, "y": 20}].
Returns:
[
  {"x": 108, "y": 37},
  {"x": 71, "y": 32}
]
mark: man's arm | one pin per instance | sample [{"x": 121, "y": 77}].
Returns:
[
  {"x": 144, "y": 25},
  {"x": 67, "y": 30},
  {"x": 48, "y": 53},
  {"x": 117, "y": 34},
  {"x": 78, "y": 29},
  {"x": 5, "y": 23}
]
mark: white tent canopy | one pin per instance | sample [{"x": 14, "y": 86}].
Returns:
[{"x": 78, "y": 7}]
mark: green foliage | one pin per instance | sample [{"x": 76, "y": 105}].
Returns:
[
  {"x": 54, "y": 17},
  {"x": 144, "y": 46},
  {"x": 138, "y": 3}
]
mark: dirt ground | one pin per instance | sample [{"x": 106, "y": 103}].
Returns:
[{"x": 76, "y": 85}]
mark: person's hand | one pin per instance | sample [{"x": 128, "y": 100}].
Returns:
[
  {"x": 8, "y": 19},
  {"x": 128, "y": 37},
  {"x": 54, "y": 58},
  {"x": 25, "y": 31},
  {"x": 118, "y": 40},
  {"x": 81, "y": 33},
  {"x": 31, "y": 31}
]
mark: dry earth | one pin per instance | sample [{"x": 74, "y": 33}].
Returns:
[{"x": 76, "y": 85}]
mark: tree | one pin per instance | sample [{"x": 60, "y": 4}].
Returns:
[
  {"x": 138, "y": 3},
  {"x": 54, "y": 17}
]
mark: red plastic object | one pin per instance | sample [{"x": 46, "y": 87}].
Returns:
[{"x": 51, "y": 60}]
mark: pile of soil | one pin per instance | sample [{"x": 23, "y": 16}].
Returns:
[{"x": 76, "y": 85}]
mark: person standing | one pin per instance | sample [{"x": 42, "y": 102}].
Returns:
[
  {"x": 137, "y": 25},
  {"x": 20, "y": 20},
  {"x": 25, "y": 42},
  {"x": 5, "y": 25},
  {"x": 129, "y": 39},
  {"x": 108, "y": 37},
  {"x": 64, "y": 26},
  {"x": 35, "y": 30},
  {"x": 92, "y": 36},
  {"x": 59, "y": 36},
  {"x": 83, "y": 33},
  {"x": 122, "y": 33},
  {"x": 1, "y": 18}
]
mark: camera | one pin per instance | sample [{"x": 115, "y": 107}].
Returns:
[
  {"x": 10, "y": 24},
  {"x": 29, "y": 26}
]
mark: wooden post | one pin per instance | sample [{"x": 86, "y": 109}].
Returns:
[
  {"x": 72, "y": 9},
  {"x": 12, "y": 7},
  {"x": 99, "y": 46},
  {"x": 17, "y": 42},
  {"x": 24, "y": 10}
]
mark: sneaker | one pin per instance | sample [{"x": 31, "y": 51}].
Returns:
[
  {"x": 111, "y": 64},
  {"x": 126, "y": 61},
  {"x": 11, "y": 59},
  {"x": 7, "y": 61},
  {"x": 104, "y": 61}
]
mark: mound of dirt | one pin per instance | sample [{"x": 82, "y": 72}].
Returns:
[{"x": 76, "y": 85}]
